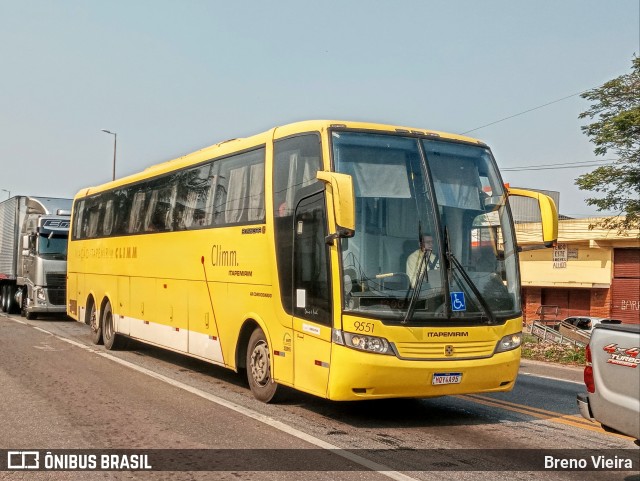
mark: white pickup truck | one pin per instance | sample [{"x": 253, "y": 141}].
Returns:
[{"x": 612, "y": 377}]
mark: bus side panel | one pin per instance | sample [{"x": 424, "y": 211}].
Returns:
[
  {"x": 142, "y": 303},
  {"x": 82, "y": 297},
  {"x": 159, "y": 312},
  {"x": 72, "y": 296},
  {"x": 104, "y": 288},
  {"x": 203, "y": 335},
  {"x": 312, "y": 356},
  {"x": 171, "y": 310}
]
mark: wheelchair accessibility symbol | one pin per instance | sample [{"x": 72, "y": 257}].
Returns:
[{"x": 457, "y": 301}]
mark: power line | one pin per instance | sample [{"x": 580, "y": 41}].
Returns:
[
  {"x": 526, "y": 111},
  {"x": 562, "y": 165}
]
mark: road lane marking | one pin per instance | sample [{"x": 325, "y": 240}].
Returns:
[
  {"x": 550, "y": 378},
  {"x": 41, "y": 330},
  {"x": 369, "y": 465},
  {"x": 543, "y": 414},
  {"x": 533, "y": 409}
]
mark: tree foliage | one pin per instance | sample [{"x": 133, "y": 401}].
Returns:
[{"x": 616, "y": 130}]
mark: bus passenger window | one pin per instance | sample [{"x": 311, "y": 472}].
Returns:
[
  {"x": 236, "y": 195},
  {"x": 239, "y": 190},
  {"x": 136, "y": 217},
  {"x": 107, "y": 225}
]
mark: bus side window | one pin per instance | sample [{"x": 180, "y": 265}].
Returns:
[
  {"x": 95, "y": 210},
  {"x": 78, "y": 231},
  {"x": 151, "y": 221},
  {"x": 191, "y": 197},
  {"x": 238, "y": 196},
  {"x": 107, "y": 224},
  {"x": 137, "y": 210},
  {"x": 256, "y": 210}
]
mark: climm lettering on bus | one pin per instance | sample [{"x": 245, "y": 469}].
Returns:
[
  {"x": 126, "y": 252},
  {"x": 109, "y": 253},
  {"x": 220, "y": 257}
]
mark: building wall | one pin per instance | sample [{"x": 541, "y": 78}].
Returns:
[
  {"x": 601, "y": 302},
  {"x": 585, "y": 267},
  {"x": 582, "y": 278}
]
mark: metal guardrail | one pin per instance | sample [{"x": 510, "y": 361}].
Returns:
[{"x": 547, "y": 333}]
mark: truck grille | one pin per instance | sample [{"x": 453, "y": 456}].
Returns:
[
  {"x": 56, "y": 279},
  {"x": 57, "y": 297}
]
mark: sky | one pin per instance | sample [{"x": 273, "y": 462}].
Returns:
[{"x": 171, "y": 77}]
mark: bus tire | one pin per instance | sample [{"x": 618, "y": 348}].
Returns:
[
  {"x": 259, "y": 368},
  {"x": 94, "y": 323},
  {"x": 112, "y": 340}
]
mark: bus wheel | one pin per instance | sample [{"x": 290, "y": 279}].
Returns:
[
  {"x": 109, "y": 335},
  {"x": 259, "y": 368},
  {"x": 95, "y": 324}
]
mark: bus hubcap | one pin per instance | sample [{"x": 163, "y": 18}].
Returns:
[
  {"x": 260, "y": 363},
  {"x": 93, "y": 320}
]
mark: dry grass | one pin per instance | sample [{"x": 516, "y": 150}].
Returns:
[{"x": 538, "y": 350}]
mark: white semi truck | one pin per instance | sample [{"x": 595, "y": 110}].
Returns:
[{"x": 33, "y": 255}]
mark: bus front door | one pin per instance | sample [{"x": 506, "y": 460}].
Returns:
[{"x": 311, "y": 297}]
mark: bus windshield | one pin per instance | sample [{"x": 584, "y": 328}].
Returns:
[{"x": 433, "y": 241}]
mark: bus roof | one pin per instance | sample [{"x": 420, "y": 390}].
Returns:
[{"x": 233, "y": 145}]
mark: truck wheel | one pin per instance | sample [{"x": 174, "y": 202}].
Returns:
[
  {"x": 259, "y": 368},
  {"x": 23, "y": 306},
  {"x": 11, "y": 300},
  {"x": 3, "y": 298},
  {"x": 112, "y": 340},
  {"x": 95, "y": 324}
]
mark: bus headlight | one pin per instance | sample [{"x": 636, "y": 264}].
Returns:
[
  {"x": 510, "y": 342},
  {"x": 373, "y": 344}
]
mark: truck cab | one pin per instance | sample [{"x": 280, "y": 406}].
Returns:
[
  {"x": 44, "y": 260},
  {"x": 33, "y": 265}
]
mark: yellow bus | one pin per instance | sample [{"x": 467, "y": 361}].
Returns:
[{"x": 348, "y": 260}]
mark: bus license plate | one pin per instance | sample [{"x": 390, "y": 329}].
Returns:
[{"x": 446, "y": 378}]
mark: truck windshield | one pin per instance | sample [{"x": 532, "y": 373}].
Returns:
[
  {"x": 52, "y": 245},
  {"x": 433, "y": 238}
]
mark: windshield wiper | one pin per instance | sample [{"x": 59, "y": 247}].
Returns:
[
  {"x": 421, "y": 275},
  {"x": 453, "y": 261}
]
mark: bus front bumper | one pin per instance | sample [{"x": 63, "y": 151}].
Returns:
[{"x": 356, "y": 375}]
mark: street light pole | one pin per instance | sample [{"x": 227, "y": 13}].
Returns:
[{"x": 115, "y": 140}]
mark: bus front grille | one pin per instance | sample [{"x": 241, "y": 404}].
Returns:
[{"x": 445, "y": 350}]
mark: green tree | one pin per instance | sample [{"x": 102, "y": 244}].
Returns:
[{"x": 616, "y": 130}]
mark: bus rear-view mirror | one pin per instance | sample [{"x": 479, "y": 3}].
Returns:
[
  {"x": 340, "y": 189},
  {"x": 548, "y": 214}
]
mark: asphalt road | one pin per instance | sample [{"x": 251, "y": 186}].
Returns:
[{"x": 59, "y": 391}]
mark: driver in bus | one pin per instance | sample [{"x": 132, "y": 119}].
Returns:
[{"x": 413, "y": 261}]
